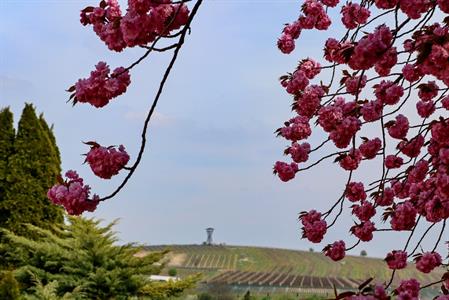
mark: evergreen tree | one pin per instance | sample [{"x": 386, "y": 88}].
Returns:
[
  {"x": 53, "y": 164},
  {"x": 32, "y": 169},
  {"x": 51, "y": 136},
  {"x": 6, "y": 149},
  {"x": 81, "y": 259}
]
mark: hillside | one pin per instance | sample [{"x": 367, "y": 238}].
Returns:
[{"x": 238, "y": 265}]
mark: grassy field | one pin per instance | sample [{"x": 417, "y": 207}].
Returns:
[{"x": 215, "y": 260}]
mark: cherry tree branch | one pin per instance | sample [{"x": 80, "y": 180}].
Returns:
[{"x": 156, "y": 99}]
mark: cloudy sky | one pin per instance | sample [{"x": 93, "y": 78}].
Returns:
[{"x": 211, "y": 143}]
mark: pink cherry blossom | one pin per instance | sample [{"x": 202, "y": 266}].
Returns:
[
  {"x": 354, "y": 84},
  {"x": 106, "y": 162},
  {"x": 411, "y": 73},
  {"x": 286, "y": 44},
  {"x": 440, "y": 133},
  {"x": 386, "y": 4},
  {"x": 413, "y": 147},
  {"x": 385, "y": 197},
  {"x": 364, "y": 231},
  {"x": 372, "y": 110},
  {"x": 293, "y": 30},
  {"x": 330, "y": 116},
  {"x": 343, "y": 133},
  {"x": 404, "y": 216},
  {"x": 355, "y": 191},
  {"x": 307, "y": 102},
  {"x": 434, "y": 51},
  {"x": 428, "y": 261},
  {"x": 336, "y": 251},
  {"x": 297, "y": 83},
  {"x": 314, "y": 227},
  {"x": 371, "y": 49},
  {"x": 428, "y": 91},
  {"x": 310, "y": 67},
  {"x": 400, "y": 189},
  {"x": 397, "y": 259},
  {"x": 335, "y": 51},
  {"x": 369, "y": 148},
  {"x": 299, "y": 152},
  {"x": 73, "y": 195},
  {"x": 364, "y": 211},
  {"x": 388, "y": 92},
  {"x": 399, "y": 127},
  {"x": 443, "y": 5},
  {"x": 315, "y": 16},
  {"x": 353, "y": 15},
  {"x": 408, "y": 290},
  {"x": 418, "y": 172},
  {"x": 285, "y": 171},
  {"x": 351, "y": 160},
  {"x": 101, "y": 87},
  {"x": 386, "y": 62},
  {"x": 330, "y": 3},
  {"x": 296, "y": 129},
  {"x": 142, "y": 23},
  {"x": 445, "y": 102},
  {"x": 414, "y": 8},
  {"x": 425, "y": 108}
]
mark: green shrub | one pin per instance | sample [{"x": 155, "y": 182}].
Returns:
[
  {"x": 83, "y": 259},
  {"x": 204, "y": 296},
  {"x": 172, "y": 272},
  {"x": 9, "y": 287}
]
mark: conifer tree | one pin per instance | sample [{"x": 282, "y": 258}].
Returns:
[
  {"x": 6, "y": 149},
  {"x": 31, "y": 170},
  {"x": 53, "y": 170},
  {"x": 82, "y": 260},
  {"x": 51, "y": 136}
]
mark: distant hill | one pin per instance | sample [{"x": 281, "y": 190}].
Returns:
[{"x": 244, "y": 267}]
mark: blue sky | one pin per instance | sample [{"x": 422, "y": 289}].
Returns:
[{"x": 211, "y": 146}]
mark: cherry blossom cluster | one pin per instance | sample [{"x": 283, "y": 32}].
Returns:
[
  {"x": 73, "y": 195},
  {"x": 313, "y": 16},
  {"x": 336, "y": 251},
  {"x": 101, "y": 86},
  {"x": 106, "y": 162},
  {"x": 388, "y": 69},
  {"x": 143, "y": 22},
  {"x": 314, "y": 226}
]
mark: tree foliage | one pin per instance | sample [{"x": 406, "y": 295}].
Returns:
[
  {"x": 81, "y": 259},
  {"x": 9, "y": 287},
  {"x": 30, "y": 166},
  {"x": 7, "y": 134}
]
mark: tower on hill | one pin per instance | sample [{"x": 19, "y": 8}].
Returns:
[{"x": 209, "y": 232}]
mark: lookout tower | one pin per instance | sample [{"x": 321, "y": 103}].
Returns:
[{"x": 209, "y": 231}]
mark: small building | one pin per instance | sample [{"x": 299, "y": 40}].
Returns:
[{"x": 162, "y": 278}]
